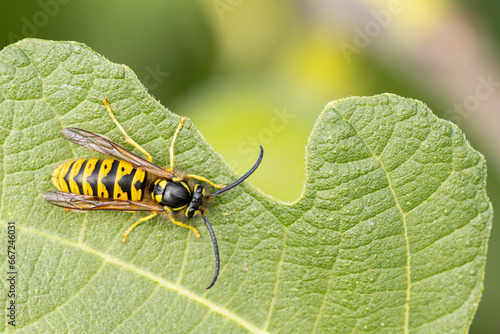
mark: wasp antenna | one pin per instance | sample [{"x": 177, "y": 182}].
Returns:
[
  {"x": 241, "y": 179},
  {"x": 216, "y": 250}
]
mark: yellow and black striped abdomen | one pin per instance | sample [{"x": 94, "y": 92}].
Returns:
[{"x": 107, "y": 178}]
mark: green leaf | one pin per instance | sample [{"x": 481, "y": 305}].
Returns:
[{"x": 390, "y": 233}]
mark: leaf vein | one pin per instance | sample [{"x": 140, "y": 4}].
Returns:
[
  {"x": 141, "y": 272},
  {"x": 405, "y": 227}
]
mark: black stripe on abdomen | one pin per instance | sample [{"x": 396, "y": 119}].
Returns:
[
  {"x": 125, "y": 183},
  {"x": 79, "y": 177},
  {"x": 109, "y": 180},
  {"x": 93, "y": 179},
  {"x": 66, "y": 177}
]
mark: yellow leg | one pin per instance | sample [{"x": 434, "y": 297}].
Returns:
[
  {"x": 135, "y": 225},
  {"x": 127, "y": 138},
  {"x": 191, "y": 176},
  {"x": 179, "y": 127},
  {"x": 198, "y": 235},
  {"x": 204, "y": 179}
]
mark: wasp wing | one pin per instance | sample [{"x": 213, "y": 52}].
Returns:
[
  {"x": 103, "y": 145},
  {"x": 85, "y": 202}
]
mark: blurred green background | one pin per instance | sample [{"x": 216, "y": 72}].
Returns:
[{"x": 260, "y": 72}]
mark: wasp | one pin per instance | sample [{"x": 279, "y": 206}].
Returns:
[{"x": 131, "y": 183}]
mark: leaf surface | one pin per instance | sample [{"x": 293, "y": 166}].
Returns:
[{"x": 389, "y": 235}]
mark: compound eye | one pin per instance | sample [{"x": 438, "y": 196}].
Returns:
[{"x": 198, "y": 189}]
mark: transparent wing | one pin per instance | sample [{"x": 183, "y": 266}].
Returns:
[
  {"x": 86, "y": 202},
  {"x": 105, "y": 146}
]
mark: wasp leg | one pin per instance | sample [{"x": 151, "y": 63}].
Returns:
[
  {"x": 127, "y": 138},
  {"x": 189, "y": 176},
  {"x": 198, "y": 235},
  {"x": 179, "y": 127},
  {"x": 204, "y": 179},
  {"x": 143, "y": 219}
]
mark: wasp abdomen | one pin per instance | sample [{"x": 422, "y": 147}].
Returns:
[{"x": 106, "y": 178}]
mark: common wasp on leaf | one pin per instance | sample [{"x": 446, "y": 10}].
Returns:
[{"x": 131, "y": 183}]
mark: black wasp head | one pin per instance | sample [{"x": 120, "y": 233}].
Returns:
[{"x": 196, "y": 201}]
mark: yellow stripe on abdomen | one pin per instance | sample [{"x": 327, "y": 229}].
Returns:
[
  {"x": 75, "y": 169},
  {"x": 124, "y": 169},
  {"x": 55, "y": 177},
  {"x": 103, "y": 172},
  {"x": 137, "y": 185},
  {"x": 89, "y": 169},
  {"x": 63, "y": 170}
]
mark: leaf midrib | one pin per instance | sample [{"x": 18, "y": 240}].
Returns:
[
  {"x": 171, "y": 286},
  {"x": 403, "y": 216}
]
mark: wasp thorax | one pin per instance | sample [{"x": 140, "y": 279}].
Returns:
[{"x": 174, "y": 195}]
